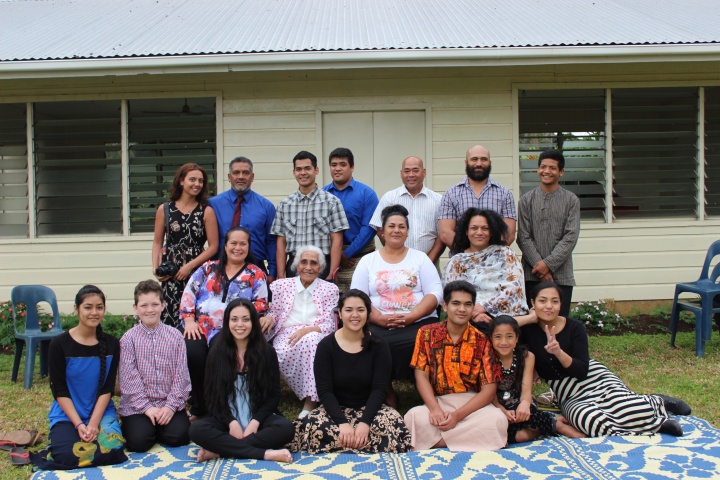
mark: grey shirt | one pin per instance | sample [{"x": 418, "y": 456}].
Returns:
[{"x": 548, "y": 229}]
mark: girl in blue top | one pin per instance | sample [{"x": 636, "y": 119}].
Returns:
[{"x": 84, "y": 430}]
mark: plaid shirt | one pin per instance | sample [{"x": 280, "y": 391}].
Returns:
[
  {"x": 459, "y": 367},
  {"x": 153, "y": 369},
  {"x": 461, "y": 196},
  {"x": 309, "y": 219}
]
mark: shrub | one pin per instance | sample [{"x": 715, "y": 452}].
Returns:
[
  {"x": 597, "y": 316},
  {"x": 7, "y": 332}
]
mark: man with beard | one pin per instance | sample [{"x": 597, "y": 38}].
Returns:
[
  {"x": 476, "y": 190},
  {"x": 240, "y": 206}
]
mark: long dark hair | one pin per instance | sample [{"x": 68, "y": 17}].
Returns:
[
  {"x": 496, "y": 224},
  {"x": 520, "y": 352},
  {"x": 176, "y": 189},
  {"x": 222, "y": 365},
  {"x": 82, "y": 294},
  {"x": 222, "y": 263},
  {"x": 368, "y": 338}
]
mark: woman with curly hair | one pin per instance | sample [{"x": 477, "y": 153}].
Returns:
[
  {"x": 482, "y": 258},
  {"x": 185, "y": 223}
]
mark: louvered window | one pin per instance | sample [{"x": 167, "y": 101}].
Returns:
[
  {"x": 164, "y": 134},
  {"x": 712, "y": 151},
  {"x": 572, "y": 121},
  {"x": 654, "y": 152},
  {"x": 13, "y": 171},
  {"x": 78, "y": 179}
]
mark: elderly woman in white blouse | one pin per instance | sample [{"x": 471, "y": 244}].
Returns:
[{"x": 302, "y": 314}]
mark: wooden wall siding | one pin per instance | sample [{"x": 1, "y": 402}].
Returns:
[
  {"x": 65, "y": 265},
  {"x": 271, "y": 116}
]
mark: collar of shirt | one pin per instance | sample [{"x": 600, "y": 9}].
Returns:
[
  {"x": 235, "y": 195},
  {"x": 149, "y": 331},
  {"x": 421, "y": 192},
  {"x": 331, "y": 187},
  {"x": 299, "y": 286},
  {"x": 310, "y": 196},
  {"x": 490, "y": 183},
  {"x": 442, "y": 336}
]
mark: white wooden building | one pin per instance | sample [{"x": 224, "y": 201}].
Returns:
[{"x": 100, "y": 102}]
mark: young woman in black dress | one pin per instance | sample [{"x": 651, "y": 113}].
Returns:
[{"x": 188, "y": 225}]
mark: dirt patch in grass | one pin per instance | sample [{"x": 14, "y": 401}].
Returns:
[{"x": 645, "y": 324}]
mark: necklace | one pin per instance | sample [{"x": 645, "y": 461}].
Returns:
[
  {"x": 507, "y": 373},
  {"x": 511, "y": 370}
]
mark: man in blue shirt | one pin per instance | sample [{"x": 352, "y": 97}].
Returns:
[
  {"x": 359, "y": 202},
  {"x": 254, "y": 212}
]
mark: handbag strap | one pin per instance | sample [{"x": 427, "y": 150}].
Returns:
[{"x": 166, "y": 209}]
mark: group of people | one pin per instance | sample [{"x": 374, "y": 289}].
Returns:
[{"x": 300, "y": 292}]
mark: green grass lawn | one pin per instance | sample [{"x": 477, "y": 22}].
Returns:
[{"x": 646, "y": 363}]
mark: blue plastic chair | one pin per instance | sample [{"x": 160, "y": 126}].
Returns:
[
  {"x": 31, "y": 295},
  {"x": 706, "y": 287}
]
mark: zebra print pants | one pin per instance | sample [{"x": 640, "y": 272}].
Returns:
[{"x": 602, "y": 405}]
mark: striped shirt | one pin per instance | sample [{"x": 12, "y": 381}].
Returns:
[
  {"x": 423, "y": 209},
  {"x": 548, "y": 229},
  {"x": 153, "y": 370},
  {"x": 461, "y": 196},
  {"x": 309, "y": 220}
]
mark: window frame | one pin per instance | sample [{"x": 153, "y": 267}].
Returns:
[
  {"x": 123, "y": 99},
  {"x": 700, "y": 218}
]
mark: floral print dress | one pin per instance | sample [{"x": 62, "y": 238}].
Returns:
[
  {"x": 497, "y": 275},
  {"x": 183, "y": 243},
  {"x": 208, "y": 292}
]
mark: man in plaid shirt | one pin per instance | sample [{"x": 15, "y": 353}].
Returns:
[
  {"x": 476, "y": 190},
  {"x": 310, "y": 216}
]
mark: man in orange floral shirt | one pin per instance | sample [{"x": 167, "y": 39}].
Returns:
[{"x": 456, "y": 374}]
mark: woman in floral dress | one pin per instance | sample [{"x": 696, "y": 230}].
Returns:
[
  {"x": 484, "y": 260},
  {"x": 188, "y": 225}
]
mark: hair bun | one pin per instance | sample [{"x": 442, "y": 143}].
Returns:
[{"x": 394, "y": 210}]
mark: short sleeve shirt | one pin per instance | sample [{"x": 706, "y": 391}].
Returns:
[
  {"x": 461, "y": 196},
  {"x": 309, "y": 220},
  {"x": 459, "y": 367}
]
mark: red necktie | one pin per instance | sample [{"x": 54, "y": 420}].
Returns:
[{"x": 238, "y": 210}]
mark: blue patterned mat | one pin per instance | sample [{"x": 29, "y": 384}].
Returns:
[{"x": 695, "y": 455}]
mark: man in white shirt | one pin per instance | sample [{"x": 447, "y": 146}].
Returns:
[{"x": 423, "y": 205}]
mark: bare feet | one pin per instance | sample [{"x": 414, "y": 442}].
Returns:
[
  {"x": 278, "y": 455},
  {"x": 563, "y": 427},
  {"x": 205, "y": 455}
]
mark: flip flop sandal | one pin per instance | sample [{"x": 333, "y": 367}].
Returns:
[
  {"x": 35, "y": 437},
  {"x": 18, "y": 437},
  {"x": 547, "y": 398},
  {"x": 7, "y": 446},
  {"x": 18, "y": 456}
]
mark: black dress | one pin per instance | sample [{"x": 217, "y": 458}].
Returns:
[
  {"x": 186, "y": 241},
  {"x": 352, "y": 388}
]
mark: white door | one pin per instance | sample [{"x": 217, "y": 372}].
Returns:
[{"x": 379, "y": 141}]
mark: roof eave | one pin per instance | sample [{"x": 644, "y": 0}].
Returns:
[{"x": 450, "y": 57}]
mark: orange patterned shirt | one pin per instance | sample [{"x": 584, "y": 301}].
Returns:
[{"x": 455, "y": 367}]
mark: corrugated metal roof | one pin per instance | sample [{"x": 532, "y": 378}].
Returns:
[{"x": 86, "y": 29}]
